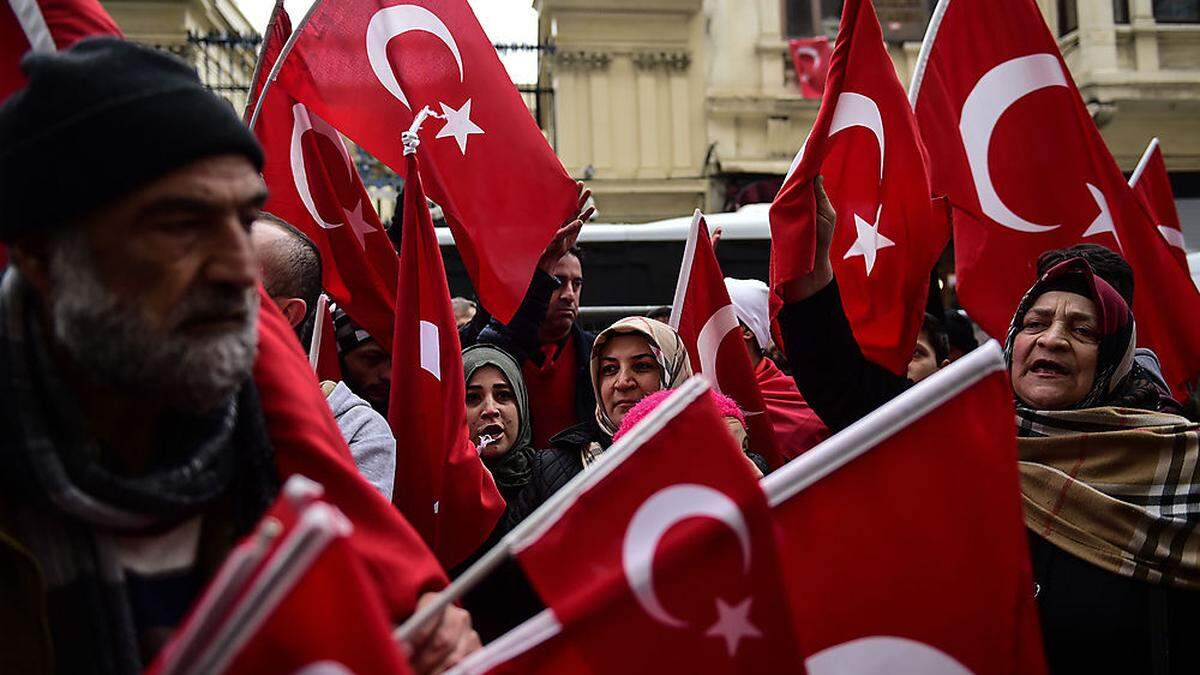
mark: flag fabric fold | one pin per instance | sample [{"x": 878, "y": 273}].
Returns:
[
  {"x": 1152, "y": 186},
  {"x": 314, "y": 185},
  {"x": 441, "y": 486},
  {"x": 889, "y": 233},
  {"x": 369, "y": 67},
  {"x": 704, "y": 317},
  {"x": 44, "y": 26},
  {"x": 666, "y": 550}
]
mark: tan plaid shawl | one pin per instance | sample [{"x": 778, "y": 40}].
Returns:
[{"x": 1117, "y": 487}]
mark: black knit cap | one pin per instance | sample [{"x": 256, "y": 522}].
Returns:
[{"x": 98, "y": 120}]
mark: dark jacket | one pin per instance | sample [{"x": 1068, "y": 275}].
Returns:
[
  {"x": 1093, "y": 621},
  {"x": 520, "y": 338},
  {"x": 840, "y": 384}
]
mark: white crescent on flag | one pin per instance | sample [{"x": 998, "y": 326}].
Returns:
[{"x": 391, "y": 22}]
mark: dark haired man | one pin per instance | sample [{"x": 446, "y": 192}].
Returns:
[
  {"x": 291, "y": 274},
  {"x": 553, "y": 350}
]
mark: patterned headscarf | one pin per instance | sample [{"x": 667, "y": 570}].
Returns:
[
  {"x": 674, "y": 368},
  {"x": 1118, "y": 332}
]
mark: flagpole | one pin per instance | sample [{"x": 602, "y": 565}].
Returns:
[
  {"x": 877, "y": 427},
  {"x": 1141, "y": 165},
  {"x": 314, "y": 345},
  {"x": 548, "y": 513},
  {"x": 685, "y": 271},
  {"x": 258, "y": 64},
  {"x": 935, "y": 22},
  {"x": 287, "y": 49}
]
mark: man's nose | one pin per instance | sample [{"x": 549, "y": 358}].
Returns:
[{"x": 232, "y": 260}]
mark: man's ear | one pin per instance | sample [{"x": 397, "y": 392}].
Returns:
[
  {"x": 748, "y": 334},
  {"x": 293, "y": 310}
]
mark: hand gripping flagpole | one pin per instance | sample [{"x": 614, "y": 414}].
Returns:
[{"x": 533, "y": 527}]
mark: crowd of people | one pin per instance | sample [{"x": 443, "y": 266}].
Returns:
[{"x": 136, "y": 449}]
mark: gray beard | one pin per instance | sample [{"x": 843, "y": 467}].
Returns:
[{"x": 114, "y": 342}]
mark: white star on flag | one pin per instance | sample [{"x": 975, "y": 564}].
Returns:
[
  {"x": 459, "y": 125},
  {"x": 358, "y": 224},
  {"x": 733, "y": 624},
  {"x": 868, "y": 242}
]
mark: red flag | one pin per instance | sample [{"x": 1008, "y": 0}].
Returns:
[
  {"x": 291, "y": 596},
  {"x": 315, "y": 186},
  {"x": 369, "y": 66},
  {"x": 307, "y": 441},
  {"x": 676, "y": 568},
  {"x": 930, "y": 571},
  {"x": 810, "y": 56},
  {"x": 1014, "y": 148},
  {"x": 704, "y": 317},
  {"x": 44, "y": 26},
  {"x": 442, "y": 486},
  {"x": 1153, "y": 188},
  {"x": 889, "y": 234}
]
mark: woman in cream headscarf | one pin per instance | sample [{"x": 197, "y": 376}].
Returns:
[{"x": 631, "y": 359}]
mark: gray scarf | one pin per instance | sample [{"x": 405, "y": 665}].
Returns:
[
  {"x": 513, "y": 469},
  {"x": 68, "y": 506}
]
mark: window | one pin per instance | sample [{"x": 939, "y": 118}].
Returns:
[
  {"x": 1177, "y": 11},
  {"x": 1068, "y": 17},
  {"x": 1121, "y": 11},
  {"x": 806, "y": 18}
]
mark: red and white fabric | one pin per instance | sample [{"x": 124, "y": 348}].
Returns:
[
  {"x": 314, "y": 185},
  {"x": 678, "y": 566},
  {"x": 441, "y": 484},
  {"x": 889, "y": 233},
  {"x": 903, "y": 536},
  {"x": 1013, "y": 146},
  {"x": 1152, "y": 186},
  {"x": 706, "y": 320},
  {"x": 44, "y": 26},
  {"x": 810, "y": 58},
  {"x": 368, "y": 67}
]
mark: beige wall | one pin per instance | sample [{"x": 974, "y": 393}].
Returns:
[
  {"x": 166, "y": 24},
  {"x": 644, "y": 90}
]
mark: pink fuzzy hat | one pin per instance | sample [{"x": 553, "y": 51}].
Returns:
[{"x": 726, "y": 406}]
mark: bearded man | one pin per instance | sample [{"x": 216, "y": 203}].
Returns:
[{"x": 133, "y": 451}]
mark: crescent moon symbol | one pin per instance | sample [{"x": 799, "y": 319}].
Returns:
[
  {"x": 856, "y": 110},
  {"x": 810, "y": 53},
  {"x": 390, "y": 22},
  {"x": 658, "y": 514},
  {"x": 883, "y": 655},
  {"x": 304, "y": 121},
  {"x": 994, "y": 93},
  {"x": 714, "y": 331}
]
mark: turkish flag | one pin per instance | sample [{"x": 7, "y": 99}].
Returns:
[
  {"x": 307, "y": 441},
  {"x": 291, "y": 596},
  {"x": 442, "y": 486},
  {"x": 703, "y": 315},
  {"x": 889, "y": 233},
  {"x": 44, "y": 26},
  {"x": 1153, "y": 188},
  {"x": 913, "y": 555},
  {"x": 369, "y": 66},
  {"x": 314, "y": 185},
  {"x": 810, "y": 56},
  {"x": 664, "y": 558},
  {"x": 1014, "y": 148}
]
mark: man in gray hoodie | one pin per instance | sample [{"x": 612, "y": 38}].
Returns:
[{"x": 291, "y": 274}]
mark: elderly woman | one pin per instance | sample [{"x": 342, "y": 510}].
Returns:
[{"x": 1108, "y": 470}]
